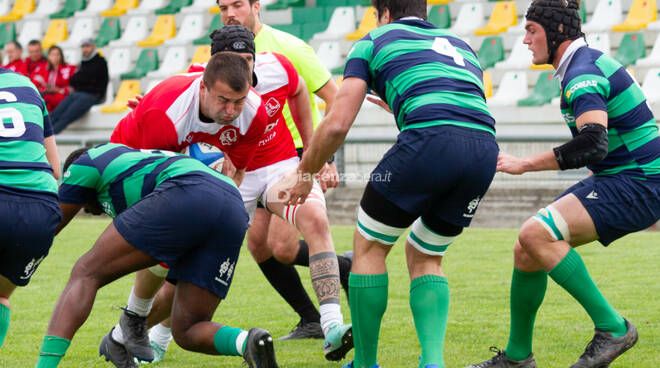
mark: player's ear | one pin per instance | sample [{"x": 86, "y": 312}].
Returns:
[{"x": 256, "y": 6}]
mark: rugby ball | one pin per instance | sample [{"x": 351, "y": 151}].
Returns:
[{"x": 209, "y": 154}]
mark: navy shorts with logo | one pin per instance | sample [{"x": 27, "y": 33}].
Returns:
[
  {"x": 27, "y": 229},
  {"x": 618, "y": 204},
  {"x": 440, "y": 173},
  {"x": 194, "y": 223}
]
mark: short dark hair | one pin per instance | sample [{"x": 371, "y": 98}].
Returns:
[
  {"x": 251, "y": 2},
  {"x": 401, "y": 8},
  {"x": 229, "y": 68},
  {"x": 34, "y": 42},
  {"x": 73, "y": 156},
  {"x": 16, "y": 44}
]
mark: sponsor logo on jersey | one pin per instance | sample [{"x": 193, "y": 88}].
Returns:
[
  {"x": 272, "y": 106},
  {"x": 225, "y": 272},
  {"x": 583, "y": 84},
  {"x": 31, "y": 267},
  {"x": 228, "y": 136}
]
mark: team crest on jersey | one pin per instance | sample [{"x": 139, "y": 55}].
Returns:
[
  {"x": 31, "y": 267},
  {"x": 272, "y": 106},
  {"x": 225, "y": 272},
  {"x": 228, "y": 136}
]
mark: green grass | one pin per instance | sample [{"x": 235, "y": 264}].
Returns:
[{"x": 478, "y": 265}]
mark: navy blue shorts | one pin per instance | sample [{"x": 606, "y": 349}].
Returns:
[
  {"x": 27, "y": 228},
  {"x": 618, "y": 204},
  {"x": 440, "y": 173},
  {"x": 195, "y": 224}
]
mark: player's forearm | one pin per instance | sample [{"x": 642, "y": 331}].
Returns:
[
  {"x": 52, "y": 156},
  {"x": 302, "y": 115},
  {"x": 328, "y": 93},
  {"x": 541, "y": 162},
  {"x": 327, "y": 139}
]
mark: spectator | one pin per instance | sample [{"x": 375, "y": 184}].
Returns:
[
  {"x": 53, "y": 81},
  {"x": 14, "y": 61},
  {"x": 35, "y": 60},
  {"x": 89, "y": 85}
]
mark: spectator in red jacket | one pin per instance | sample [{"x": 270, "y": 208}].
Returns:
[
  {"x": 53, "y": 81},
  {"x": 35, "y": 60},
  {"x": 14, "y": 50}
]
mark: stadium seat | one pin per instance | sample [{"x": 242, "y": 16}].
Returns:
[
  {"x": 651, "y": 85},
  {"x": 438, "y": 2},
  {"x": 4, "y": 7},
  {"x": 205, "y": 39},
  {"x": 69, "y": 9},
  {"x": 502, "y": 17},
  {"x": 20, "y": 8},
  {"x": 119, "y": 62},
  {"x": 214, "y": 9},
  {"x": 520, "y": 57},
  {"x": 175, "y": 61},
  {"x": 31, "y": 30},
  {"x": 341, "y": 23},
  {"x": 146, "y": 62},
  {"x": 308, "y": 30},
  {"x": 82, "y": 28},
  {"x": 583, "y": 11},
  {"x": 653, "y": 59},
  {"x": 148, "y": 7},
  {"x": 44, "y": 9},
  {"x": 283, "y": 4},
  {"x": 109, "y": 31},
  {"x": 202, "y": 55},
  {"x": 606, "y": 14},
  {"x": 491, "y": 51},
  {"x": 72, "y": 55},
  {"x": 330, "y": 54},
  {"x": 127, "y": 90},
  {"x": 439, "y": 15},
  {"x": 631, "y": 49},
  {"x": 469, "y": 18},
  {"x": 200, "y": 6},
  {"x": 164, "y": 29},
  {"x": 599, "y": 41},
  {"x": 541, "y": 67},
  {"x": 57, "y": 32},
  {"x": 545, "y": 90},
  {"x": 94, "y": 7},
  {"x": 488, "y": 85},
  {"x": 136, "y": 30},
  {"x": 312, "y": 14},
  {"x": 192, "y": 27},
  {"x": 512, "y": 88},
  {"x": 654, "y": 26},
  {"x": 173, "y": 7},
  {"x": 642, "y": 12},
  {"x": 367, "y": 24},
  {"x": 120, "y": 8},
  {"x": 7, "y": 33}
]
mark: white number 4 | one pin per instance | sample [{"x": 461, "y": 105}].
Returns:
[{"x": 443, "y": 47}]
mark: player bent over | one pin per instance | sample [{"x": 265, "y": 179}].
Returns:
[
  {"x": 156, "y": 199},
  {"x": 616, "y": 136}
]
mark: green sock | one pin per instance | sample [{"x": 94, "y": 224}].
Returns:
[
  {"x": 572, "y": 275},
  {"x": 225, "y": 341},
  {"x": 368, "y": 296},
  {"x": 527, "y": 292},
  {"x": 52, "y": 350},
  {"x": 429, "y": 302},
  {"x": 4, "y": 322}
]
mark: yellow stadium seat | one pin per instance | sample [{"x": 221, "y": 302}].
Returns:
[
  {"x": 642, "y": 12},
  {"x": 214, "y": 9},
  {"x": 367, "y": 24},
  {"x": 488, "y": 85},
  {"x": 502, "y": 17},
  {"x": 438, "y": 2},
  {"x": 127, "y": 90},
  {"x": 202, "y": 55},
  {"x": 56, "y": 32},
  {"x": 542, "y": 67},
  {"x": 20, "y": 8},
  {"x": 120, "y": 8},
  {"x": 164, "y": 29}
]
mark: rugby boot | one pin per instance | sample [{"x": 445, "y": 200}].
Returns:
[
  {"x": 350, "y": 365},
  {"x": 136, "y": 338},
  {"x": 115, "y": 352},
  {"x": 604, "y": 348},
  {"x": 159, "y": 354},
  {"x": 338, "y": 342},
  {"x": 259, "y": 352},
  {"x": 304, "y": 330},
  {"x": 502, "y": 361}
]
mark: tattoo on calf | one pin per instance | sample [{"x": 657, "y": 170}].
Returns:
[{"x": 324, "y": 270}]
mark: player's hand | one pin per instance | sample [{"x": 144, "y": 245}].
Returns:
[
  {"x": 379, "y": 102},
  {"x": 296, "y": 188},
  {"x": 328, "y": 176},
  {"x": 228, "y": 167},
  {"x": 133, "y": 103},
  {"x": 510, "y": 164}
]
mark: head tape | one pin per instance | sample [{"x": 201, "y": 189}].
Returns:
[
  {"x": 560, "y": 20},
  {"x": 232, "y": 38}
]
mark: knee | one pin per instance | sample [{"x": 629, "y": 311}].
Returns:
[
  {"x": 84, "y": 272},
  {"x": 529, "y": 235},
  {"x": 182, "y": 337},
  {"x": 314, "y": 221},
  {"x": 259, "y": 250},
  {"x": 283, "y": 251}
]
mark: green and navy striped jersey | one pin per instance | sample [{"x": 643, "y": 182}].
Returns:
[
  {"x": 594, "y": 81},
  {"x": 118, "y": 176},
  {"x": 427, "y": 76},
  {"x": 24, "y": 122}
]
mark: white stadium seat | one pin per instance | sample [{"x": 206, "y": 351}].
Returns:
[
  {"x": 82, "y": 28},
  {"x": 341, "y": 23},
  {"x": 147, "y": 7},
  {"x": 200, "y": 6},
  {"x": 470, "y": 17},
  {"x": 654, "y": 26},
  {"x": 606, "y": 14},
  {"x": 651, "y": 86},
  {"x": 175, "y": 61},
  {"x": 192, "y": 27},
  {"x": 119, "y": 62},
  {"x": 520, "y": 57},
  {"x": 32, "y": 30},
  {"x": 5, "y": 7},
  {"x": 330, "y": 54},
  {"x": 599, "y": 41},
  {"x": 44, "y": 9},
  {"x": 136, "y": 30},
  {"x": 513, "y": 87},
  {"x": 94, "y": 7},
  {"x": 652, "y": 59},
  {"x": 72, "y": 56}
]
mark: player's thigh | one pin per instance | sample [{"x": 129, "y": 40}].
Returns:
[
  {"x": 283, "y": 238},
  {"x": 257, "y": 235},
  {"x": 580, "y": 224},
  {"x": 192, "y": 304}
]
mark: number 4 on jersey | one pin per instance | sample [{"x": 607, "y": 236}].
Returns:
[{"x": 443, "y": 47}]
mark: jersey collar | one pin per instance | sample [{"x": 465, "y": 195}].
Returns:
[{"x": 567, "y": 57}]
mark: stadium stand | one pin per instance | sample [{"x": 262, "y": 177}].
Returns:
[
  {"x": 653, "y": 59},
  {"x": 488, "y": 85},
  {"x": 137, "y": 29},
  {"x": 330, "y": 55},
  {"x": 502, "y": 17},
  {"x": 31, "y": 30},
  {"x": 57, "y": 32},
  {"x": 110, "y": 30},
  {"x": 470, "y": 17},
  {"x": 120, "y": 8},
  {"x": 44, "y": 9},
  {"x": 146, "y": 62},
  {"x": 342, "y": 22},
  {"x": 4, "y": 7},
  {"x": 205, "y": 39},
  {"x": 440, "y": 16},
  {"x": 7, "y": 33},
  {"x": 173, "y": 7},
  {"x": 651, "y": 86},
  {"x": 367, "y": 23},
  {"x": 491, "y": 51},
  {"x": 82, "y": 28},
  {"x": 175, "y": 61},
  {"x": 147, "y": 7},
  {"x": 20, "y": 9},
  {"x": 545, "y": 90},
  {"x": 95, "y": 7},
  {"x": 192, "y": 27},
  {"x": 631, "y": 49},
  {"x": 607, "y": 14},
  {"x": 512, "y": 88},
  {"x": 69, "y": 9},
  {"x": 202, "y": 55},
  {"x": 519, "y": 58},
  {"x": 119, "y": 62},
  {"x": 127, "y": 90},
  {"x": 164, "y": 29},
  {"x": 198, "y": 6},
  {"x": 599, "y": 41},
  {"x": 642, "y": 12}
]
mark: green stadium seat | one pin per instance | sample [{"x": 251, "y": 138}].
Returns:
[
  {"x": 545, "y": 90},
  {"x": 331, "y": 3},
  {"x": 439, "y": 15},
  {"x": 491, "y": 52},
  {"x": 7, "y": 33},
  {"x": 146, "y": 62},
  {"x": 294, "y": 29},
  {"x": 70, "y": 7},
  {"x": 358, "y": 3},
  {"x": 310, "y": 29},
  {"x": 308, "y": 15},
  {"x": 283, "y": 4},
  {"x": 583, "y": 11},
  {"x": 173, "y": 7},
  {"x": 206, "y": 40},
  {"x": 108, "y": 31},
  {"x": 631, "y": 49}
]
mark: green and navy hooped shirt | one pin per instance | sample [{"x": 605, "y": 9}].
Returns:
[
  {"x": 591, "y": 80},
  {"x": 119, "y": 176},
  {"x": 426, "y": 75},
  {"x": 24, "y": 123}
]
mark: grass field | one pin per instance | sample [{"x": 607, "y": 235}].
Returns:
[{"x": 478, "y": 265}]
